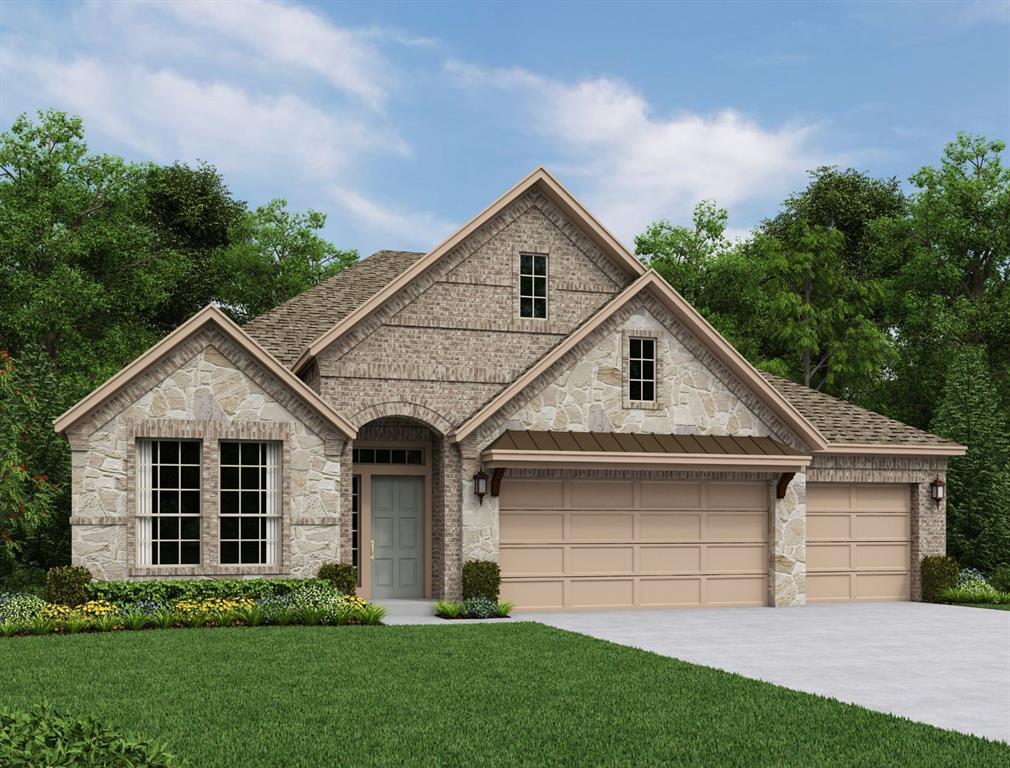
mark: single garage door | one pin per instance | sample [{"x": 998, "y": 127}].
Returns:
[
  {"x": 858, "y": 542},
  {"x": 576, "y": 543}
]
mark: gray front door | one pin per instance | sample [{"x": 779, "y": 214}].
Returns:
[{"x": 397, "y": 537}]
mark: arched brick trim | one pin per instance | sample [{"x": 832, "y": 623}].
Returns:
[{"x": 436, "y": 421}]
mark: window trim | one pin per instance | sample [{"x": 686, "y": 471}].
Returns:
[
  {"x": 657, "y": 372},
  {"x": 144, "y": 516},
  {"x": 546, "y": 277}
]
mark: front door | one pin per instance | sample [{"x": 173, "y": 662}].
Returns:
[{"x": 397, "y": 536}]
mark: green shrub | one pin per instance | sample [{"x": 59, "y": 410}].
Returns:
[
  {"x": 20, "y": 609},
  {"x": 503, "y": 609},
  {"x": 938, "y": 574},
  {"x": 481, "y": 578},
  {"x": 166, "y": 591},
  {"x": 343, "y": 576},
  {"x": 44, "y": 737},
  {"x": 67, "y": 585},
  {"x": 1001, "y": 578},
  {"x": 448, "y": 609},
  {"x": 25, "y": 579},
  {"x": 979, "y": 593},
  {"x": 479, "y": 608}
]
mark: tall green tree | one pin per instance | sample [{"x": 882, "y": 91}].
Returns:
[{"x": 978, "y": 510}]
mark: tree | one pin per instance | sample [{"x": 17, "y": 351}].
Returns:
[
  {"x": 276, "y": 254},
  {"x": 978, "y": 510},
  {"x": 684, "y": 255}
]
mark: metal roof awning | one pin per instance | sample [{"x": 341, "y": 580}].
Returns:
[{"x": 620, "y": 450}]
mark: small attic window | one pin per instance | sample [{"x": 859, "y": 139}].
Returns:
[
  {"x": 533, "y": 285},
  {"x": 642, "y": 369}
]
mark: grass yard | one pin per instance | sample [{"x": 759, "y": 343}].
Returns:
[
  {"x": 477, "y": 695},
  {"x": 994, "y": 606}
]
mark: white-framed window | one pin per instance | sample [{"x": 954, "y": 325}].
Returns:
[
  {"x": 356, "y": 524},
  {"x": 641, "y": 369},
  {"x": 533, "y": 285},
  {"x": 250, "y": 510},
  {"x": 168, "y": 502}
]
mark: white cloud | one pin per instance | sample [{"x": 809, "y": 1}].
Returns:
[
  {"x": 635, "y": 166},
  {"x": 417, "y": 230}
]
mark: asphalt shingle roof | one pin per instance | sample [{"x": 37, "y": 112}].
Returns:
[
  {"x": 288, "y": 330},
  {"x": 843, "y": 422}
]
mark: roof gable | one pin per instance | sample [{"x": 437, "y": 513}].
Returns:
[
  {"x": 657, "y": 288},
  {"x": 208, "y": 316},
  {"x": 540, "y": 179}
]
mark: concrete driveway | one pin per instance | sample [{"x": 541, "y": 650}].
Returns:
[{"x": 944, "y": 665}]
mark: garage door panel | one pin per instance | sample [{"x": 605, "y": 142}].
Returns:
[
  {"x": 743, "y": 590},
  {"x": 669, "y": 593},
  {"x": 545, "y": 593},
  {"x": 881, "y": 556},
  {"x": 533, "y": 561},
  {"x": 882, "y": 586},
  {"x": 821, "y": 527},
  {"x": 669, "y": 526},
  {"x": 636, "y": 543},
  {"x": 728, "y": 526},
  {"x": 532, "y": 494},
  {"x": 672, "y": 495},
  {"x": 601, "y": 593},
  {"x": 886, "y": 498},
  {"x": 876, "y": 526},
  {"x": 599, "y": 495},
  {"x": 736, "y": 495},
  {"x": 588, "y": 560},
  {"x": 669, "y": 559},
  {"x": 829, "y": 557},
  {"x": 531, "y": 526},
  {"x": 736, "y": 559},
  {"x": 593, "y": 526},
  {"x": 858, "y": 542}
]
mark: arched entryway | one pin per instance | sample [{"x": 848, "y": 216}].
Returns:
[{"x": 397, "y": 521}]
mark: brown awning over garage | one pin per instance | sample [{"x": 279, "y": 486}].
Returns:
[{"x": 623, "y": 450}]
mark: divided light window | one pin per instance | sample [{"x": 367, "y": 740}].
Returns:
[
  {"x": 388, "y": 456},
  {"x": 642, "y": 370},
  {"x": 356, "y": 524},
  {"x": 533, "y": 285},
  {"x": 168, "y": 502},
  {"x": 250, "y": 503}
]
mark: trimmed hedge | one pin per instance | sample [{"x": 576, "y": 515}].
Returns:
[
  {"x": 939, "y": 573},
  {"x": 481, "y": 578},
  {"x": 44, "y": 737},
  {"x": 169, "y": 590},
  {"x": 343, "y": 576},
  {"x": 68, "y": 585}
]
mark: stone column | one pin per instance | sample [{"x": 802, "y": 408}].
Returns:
[{"x": 787, "y": 544}]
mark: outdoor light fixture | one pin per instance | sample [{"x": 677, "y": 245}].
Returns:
[
  {"x": 480, "y": 484},
  {"x": 937, "y": 489}
]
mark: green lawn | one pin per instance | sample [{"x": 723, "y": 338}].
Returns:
[
  {"x": 995, "y": 607},
  {"x": 502, "y": 694}
]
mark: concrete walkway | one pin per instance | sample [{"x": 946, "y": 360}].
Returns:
[
  {"x": 420, "y": 612},
  {"x": 944, "y": 665}
]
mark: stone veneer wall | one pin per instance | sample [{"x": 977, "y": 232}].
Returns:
[
  {"x": 207, "y": 389},
  {"x": 929, "y": 519},
  {"x": 787, "y": 544}
]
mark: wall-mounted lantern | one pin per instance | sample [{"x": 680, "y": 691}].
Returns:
[
  {"x": 938, "y": 490},
  {"x": 480, "y": 485}
]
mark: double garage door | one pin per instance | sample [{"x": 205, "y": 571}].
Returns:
[{"x": 580, "y": 543}]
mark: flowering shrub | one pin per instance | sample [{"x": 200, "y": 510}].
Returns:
[
  {"x": 479, "y": 608},
  {"x": 969, "y": 576},
  {"x": 19, "y": 607},
  {"x": 98, "y": 608}
]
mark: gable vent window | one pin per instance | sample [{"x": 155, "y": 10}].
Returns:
[
  {"x": 250, "y": 503},
  {"x": 533, "y": 285},
  {"x": 642, "y": 370},
  {"x": 168, "y": 502}
]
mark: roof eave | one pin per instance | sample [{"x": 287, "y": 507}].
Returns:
[
  {"x": 884, "y": 449},
  {"x": 497, "y": 457},
  {"x": 207, "y": 315}
]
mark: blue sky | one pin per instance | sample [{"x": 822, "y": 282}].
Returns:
[{"x": 402, "y": 120}]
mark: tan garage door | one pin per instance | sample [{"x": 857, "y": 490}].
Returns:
[
  {"x": 609, "y": 544},
  {"x": 858, "y": 542}
]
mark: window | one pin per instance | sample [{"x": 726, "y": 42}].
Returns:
[
  {"x": 168, "y": 502},
  {"x": 250, "y": 503},
  {"x": 388, "y": 456},
  {"x": 642, "y": 369},
  {"x": 532, "y": 285},
  {"x": 355, "y": 524}
]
